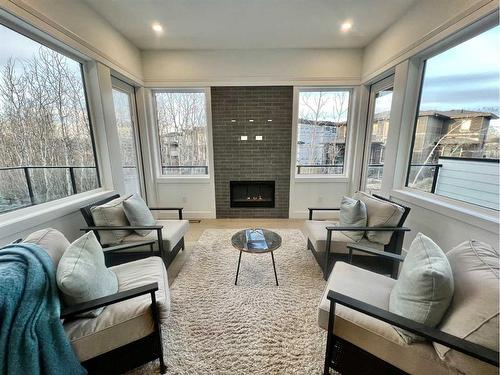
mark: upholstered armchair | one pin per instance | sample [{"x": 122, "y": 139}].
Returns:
[
  {"x": 127, "y": 333},
  {"x": 328, "y": 241},
  {"x": 361, "y": 335},
  {"x": 165, "y": 239}
]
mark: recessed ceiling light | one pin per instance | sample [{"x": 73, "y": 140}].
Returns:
[
  {"x": 346, "y": 26},
  {"x": 157, "y": 27}
]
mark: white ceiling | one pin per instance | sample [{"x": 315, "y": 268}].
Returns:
[{"x": 241, "y": 24}]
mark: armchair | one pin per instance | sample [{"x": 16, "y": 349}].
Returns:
[
  {"x": 361, "y": 338},
  {"x": 167, "y": 236},
  {"x": 328, "y": 244},
  {"x": 127, "y": 333}
]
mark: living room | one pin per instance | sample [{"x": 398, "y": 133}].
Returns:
[{"x": 248, "y": 181}]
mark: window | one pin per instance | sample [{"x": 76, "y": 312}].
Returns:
[
  {"x": 182, "y": 131},
  {"x": 124, "y": 105},
  {"x": 377, "y": 132},
  {"x": 322, "y": 131},
  {"x": 46, "y": 148},
  {"x": 455, "y": 145}
]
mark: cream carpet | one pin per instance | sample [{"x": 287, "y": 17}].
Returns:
[{"x": 255, "y": 327}]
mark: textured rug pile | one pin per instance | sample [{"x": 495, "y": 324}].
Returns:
[{"x": 255, "y": 327}]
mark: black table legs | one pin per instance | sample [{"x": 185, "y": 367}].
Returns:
[
  {"x": 238, "y": 269},
  {"x": 274, "y": 267}
]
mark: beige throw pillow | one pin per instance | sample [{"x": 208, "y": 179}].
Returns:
[
  {"x": 111, "y": 214},
  {"x": 380, "y": 214},
  {"x": 473, "y": 313},
  {"x": 51, "y": 240}
]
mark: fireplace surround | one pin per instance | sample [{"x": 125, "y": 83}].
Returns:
[
  {"x": 252, "y": 137},
  {"x": 252, "y": 194}
]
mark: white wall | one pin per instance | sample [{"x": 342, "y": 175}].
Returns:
[
  {"x": 74, "y": 23},
  {"x": 251, "y": 67},
  {"x": 240, "y": 67}
]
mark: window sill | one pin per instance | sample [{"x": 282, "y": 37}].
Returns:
[
  {"x": 477, "y": 216},
  {"x": 320, "y": 178},
  {"x": 205, "y": 179},
  {"x": 32, "y": 216}
]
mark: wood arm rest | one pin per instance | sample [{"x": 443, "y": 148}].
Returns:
[
  {"x": 429, "y": 333},
  {"x": 375, "y": 229},
  {"x": 131, "y": 245},
  {"x": 366, "y": 249},
  {"x": 108, "y": 300},
  {"x": 178, "y": 209},
  {"x": 126, "y": 227},
  {"x": 312, "y": 209}
]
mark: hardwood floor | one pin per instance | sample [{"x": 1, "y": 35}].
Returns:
[{"x": 197, "y": 228}]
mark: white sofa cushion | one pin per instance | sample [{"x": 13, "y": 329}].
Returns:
[
  {"x": 111, "y": 214},
  {"x": 353, "y": 214},
  {"x": 172, "y": 232},
  {"x": 424, "y": 288},
  {"x": 82, "y": 274},
  {"x": 138, "y": 214},
  {"x": 315, "y": 231},
  {"x": 123, "y": 322},
  {"x": 52, "y": 241},
  {"x": 380, "y": 214},
  {"x": 474, "y": 310},
  {"x": 377, "y": 337}
]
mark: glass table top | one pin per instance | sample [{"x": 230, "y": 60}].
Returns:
[{"x": 256, "y": 240}]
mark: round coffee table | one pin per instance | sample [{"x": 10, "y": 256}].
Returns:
[{"x": 256, "y": 241}]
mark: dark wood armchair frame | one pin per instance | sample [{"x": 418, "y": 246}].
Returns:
[
  {"x": 347, "y": 358},
  {"x": 394, "y": 246},
  {"x": 114, "y": 257},
  {"x": 130, "y": 355}
]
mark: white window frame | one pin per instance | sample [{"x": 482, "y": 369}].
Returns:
[
  {"x": 162, "y": 178},
  {"x": 464, "y": 211},
  {"x": 30, "y": 215},
  {"x": 344, "y": 177}
]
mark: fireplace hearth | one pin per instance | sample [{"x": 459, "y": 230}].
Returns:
[{"x": 252, "y": 194}]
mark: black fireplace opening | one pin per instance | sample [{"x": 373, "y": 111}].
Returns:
[{"x": 252, "y": 193}]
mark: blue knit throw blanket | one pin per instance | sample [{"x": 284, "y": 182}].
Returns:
[{"x": 32, "y": 338}]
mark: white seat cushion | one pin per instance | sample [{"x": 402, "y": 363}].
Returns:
[
  {"x": 375, "y": 336},
  {"x": 315, "y": 231},
  {"x": 172, "y": 232},
  {"x": 126, "y": 321}
]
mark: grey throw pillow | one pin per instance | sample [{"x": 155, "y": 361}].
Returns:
[
  {"x": 138, "y": 214},
  {"x": 353, "y": 214},
  {"x": 425, "y": 286},
  {"x": 82, "y": 274}
]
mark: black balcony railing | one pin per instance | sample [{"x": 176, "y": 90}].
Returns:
[
  {"x": 27, "y": 172},
  {"x": 337, "y": 168},
  {"x": 435, "y": 172},
  {"x": 190, "y": 168}
]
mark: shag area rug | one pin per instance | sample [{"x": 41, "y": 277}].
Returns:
[{"x": 255, "y": 327}]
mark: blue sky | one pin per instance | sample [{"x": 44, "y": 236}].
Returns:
[{"x": 466, "y": 76}]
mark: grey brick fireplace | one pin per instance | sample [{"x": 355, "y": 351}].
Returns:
[{"x": 252, "y": 112}]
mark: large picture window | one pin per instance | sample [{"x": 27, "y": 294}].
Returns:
[
  {"x": 455, "y": 146},
  {"x": 46, "y": 148},
  {"x": 182, "y": 131},
  {"x": 322, "y": 131}
]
